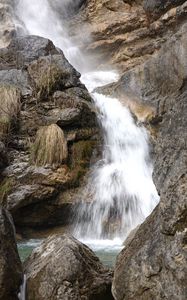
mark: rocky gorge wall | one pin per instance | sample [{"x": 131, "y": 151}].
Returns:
[
  {"x": 126, "y": 33},
  {"x": 147, "y": 41},
  {"x": 41, "y": 94}
]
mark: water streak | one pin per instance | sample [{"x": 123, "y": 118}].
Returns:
[{"x": 22, "y": 293}]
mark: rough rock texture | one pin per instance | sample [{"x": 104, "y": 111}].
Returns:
[
  {"x": 7, "y": 26},
  {"x": 153, "y": 263},
  {"x": 10, "y": 264},
  {"x": 155, "y": 8},
  {"x": 41, "y": 93},
  {"x": 125, "y": 33},
  {"x": 64, "y": 268}
]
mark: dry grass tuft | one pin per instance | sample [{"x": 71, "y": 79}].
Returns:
[
  {"x": 50, "y": 147},
  {"x": 9, "y": 107}
]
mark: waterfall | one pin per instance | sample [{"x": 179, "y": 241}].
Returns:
[
  {"x": 22, "y": 293},
  {"x": 120, "y": 186},
  {"x": 39, "y": 17}
]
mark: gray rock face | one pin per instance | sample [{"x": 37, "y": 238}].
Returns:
[
  {"x": 155, "y": 8},
  {"x": 153, "y": 265},
  {"x": 161, "y": 76},
  {"x": 10, "y": 264},
  {"x": 64, "y": 268},
  {"x": 7, "y": 27}
]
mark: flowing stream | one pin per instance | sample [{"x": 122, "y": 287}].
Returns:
[{"x": 120, "y": 185}]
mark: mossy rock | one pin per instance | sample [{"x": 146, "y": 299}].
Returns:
[
  {"x": 5, "y": 189},
  {"x": 79, "y": 162},
  {"x": 81, "y": 153}
]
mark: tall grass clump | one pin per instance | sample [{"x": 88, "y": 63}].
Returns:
[{"x": 50, "y": 146}]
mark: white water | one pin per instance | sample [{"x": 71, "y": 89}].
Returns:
[
  {"x": 22, "y": 293},
  {"x": 121, "y": 186},
  {"x": 39, "y": 18}
]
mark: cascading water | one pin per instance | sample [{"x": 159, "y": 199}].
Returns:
[
  {"x": 121, "y": 186},
  {"x": 39, "y": 17}
]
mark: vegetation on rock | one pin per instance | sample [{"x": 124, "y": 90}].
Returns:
[
  {"x": 9, "y": 108},
  {"x": 50, "y": 146}
]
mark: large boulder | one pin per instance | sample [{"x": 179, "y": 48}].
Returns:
[
  {"x": 10, "y": 264},
  {"x": 153, "y": 264},
  {"x": 22, "y": 50},
  {"x": 64, "y": 268}
]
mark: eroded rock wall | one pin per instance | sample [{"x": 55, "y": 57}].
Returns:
[
  {"x": 124, "y": 34},
  {"x": 153, "y": 263}
]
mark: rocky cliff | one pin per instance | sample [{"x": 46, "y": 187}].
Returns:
[
  {"x": 153, "y": 263},
  {"x": 48, "y": 132},
  {"x": 126, "y": 33}
]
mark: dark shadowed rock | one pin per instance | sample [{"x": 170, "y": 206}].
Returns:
[
  {"x": 3, "y": 156},
  {"x": 64, "y": 268},
  {"x": 10, "y": 264}
]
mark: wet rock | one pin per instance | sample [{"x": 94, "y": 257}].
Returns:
[
  {"x": 153, "y": 264},
  {"x": 73, "y": 272},
  {"x": 10, "y": 264},
  {"x": 45, "y": 197},
  {"x": 75, "y": 110}
]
